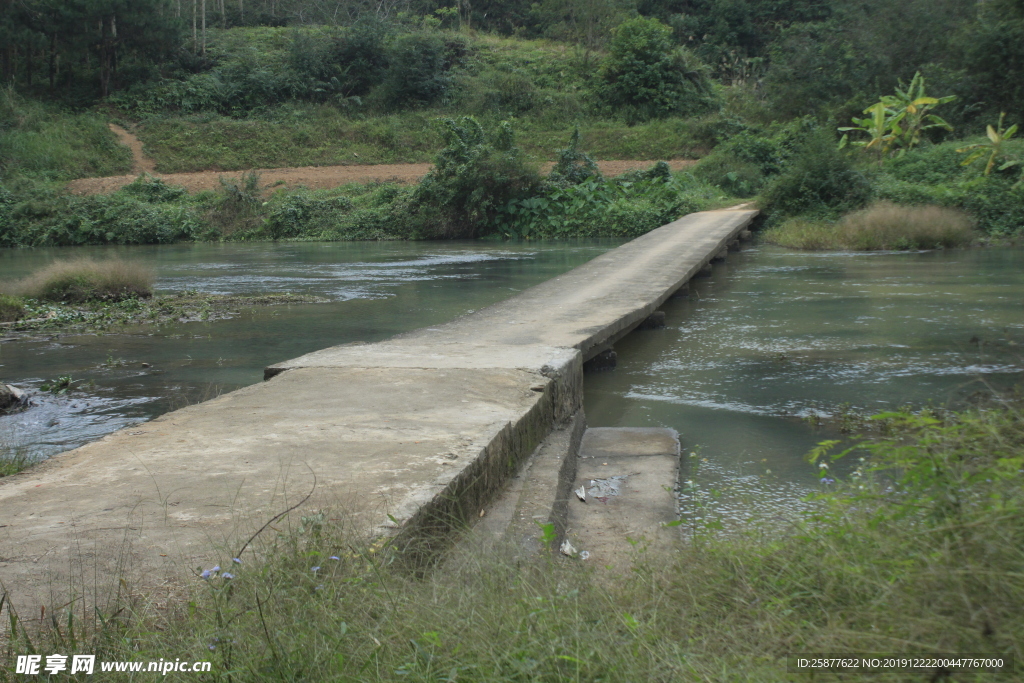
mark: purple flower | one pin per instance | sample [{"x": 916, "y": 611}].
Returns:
[
  {"x": 315, "y": 569},
  {"x": 334, "y": 557},
  {"x": 227, "y": 575},
  {"x": 237, "y": 560}
]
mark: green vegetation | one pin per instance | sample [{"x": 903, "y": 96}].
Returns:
[
  {"x": 80, "y": 280},
  {"x": 482, "y": 185},
  {"x": 883, "y": 225},
  {"x": 646, "y": 76},
  {"x": 40, "y": 141},
  {"x": 12, "y": 460},
  {"x": 757, "y": 88},
  {"x": 54, "y": 317},
  {"x": 917, "y": 552},
  {"x": 11, "y": 308}
]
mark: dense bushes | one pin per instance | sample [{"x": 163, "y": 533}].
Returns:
[
  {"x": 628, "y": 206},
  {"x": 473, "y": 177},
  {"x": 820, "y": 180},
  {"x": 420, "y": 68},
  {"x": 646, "y": 76},
  {"x": 822, "y": 183},
  {"x": 40, "y": 215}
]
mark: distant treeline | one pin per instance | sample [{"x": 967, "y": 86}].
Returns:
[{"x": 790, "y": 57}]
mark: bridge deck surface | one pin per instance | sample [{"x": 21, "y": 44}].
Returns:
[{"x": 401, "y": 437}]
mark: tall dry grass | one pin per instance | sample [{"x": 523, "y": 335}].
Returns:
[
  {"x": 83, "y": 279},
  {"x": 885, "y": 225},
  {"x": 881, "y": 226}
]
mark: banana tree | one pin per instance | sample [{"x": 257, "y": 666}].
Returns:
[
  {"x": 882, "y": 127},
  {"x": 911, "y": 107},
  {"x": 994, "y": 148}
]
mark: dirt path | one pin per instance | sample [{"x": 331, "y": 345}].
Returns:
[
  {"x": 316, "y": 177},
  {"x": 140, "y": 162}
]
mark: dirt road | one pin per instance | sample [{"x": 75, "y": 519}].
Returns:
[{"x": 317, "y": 177}]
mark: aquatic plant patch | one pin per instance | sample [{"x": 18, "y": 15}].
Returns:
[{"x": 102, "y": 316}]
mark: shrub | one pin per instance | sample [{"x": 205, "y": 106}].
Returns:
[
  {"x": 820, "y": 180},
  {"x": 419, "y": 69},
  {"x": 645, "y": 75},
  {"x": 239, "y": 203},
  {"x": 573, "y": 166},
  {"x": 725, "y": 170},
  {"x": 11, "y": 308},
  {"x": 472, "y": 179},
  {"x": 885, "y": 225},
  {"x": 624, "y": 207},
  {"x": 80, "y": 280}
]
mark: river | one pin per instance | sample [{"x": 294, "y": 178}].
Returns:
[{"x": 744, "y": 365}]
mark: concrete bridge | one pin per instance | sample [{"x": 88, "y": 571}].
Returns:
[{"x": 408, "y": 438}]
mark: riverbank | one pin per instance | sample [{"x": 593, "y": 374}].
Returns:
[{"x": 56, "y": 319}]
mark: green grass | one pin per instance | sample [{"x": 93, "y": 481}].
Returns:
[
  {"x": 918, "y": 553},
  {"x": 322, "y": 135},
  {"x": 41, "y": 141},
  {"x": 14, "y": 457}
]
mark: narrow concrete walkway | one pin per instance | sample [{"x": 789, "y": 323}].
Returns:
[{"x": 407, "y": 438}]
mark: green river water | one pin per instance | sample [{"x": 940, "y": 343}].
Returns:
[{"x": 771, "y": 338}]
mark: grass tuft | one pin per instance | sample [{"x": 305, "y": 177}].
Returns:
[
  {"x": 803, "y": 233},
  {"x": 881, "y": 226},
  {"x": 11, "y": 308},
  {"x": 81, "y": 280},
  {"x": 885, "y": 225}
]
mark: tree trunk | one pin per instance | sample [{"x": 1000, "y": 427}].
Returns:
[
  {"x": 204, "y": 27},
  {"x": 195, "y": 41},
  {"x": 7, "y": 57},
  {"x": 241, "y": 13},
  {"x": 28, "y": 64},
  {"x": 52, "y": 68}
]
